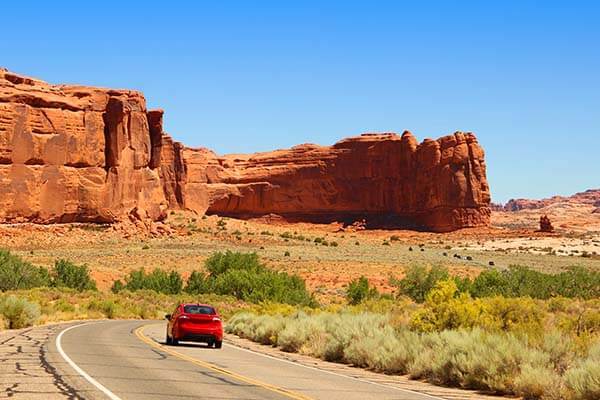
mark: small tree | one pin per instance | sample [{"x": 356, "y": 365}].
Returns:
[
  {"x": 18, "y": 274},
  {"x": 117, "y": 286},
  {"x": 197, "y": 283},
  {"x": 220, "y": 263},
  {"x": 359, "y": 290},
  {"x": 419, "y": 281},
  {"x": 68, "y": 274}
]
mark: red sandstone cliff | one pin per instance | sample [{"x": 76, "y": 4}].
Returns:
[
  {"x": 73, "y": 153},
  {"x": 387, "y": 179}
]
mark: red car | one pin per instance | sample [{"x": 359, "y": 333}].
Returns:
[{"x": 195, "y": 323}]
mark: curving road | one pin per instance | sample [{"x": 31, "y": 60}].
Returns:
[{"x": 127, "y": 360}]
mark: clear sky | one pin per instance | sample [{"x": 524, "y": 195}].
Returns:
[{"x": 258, "y": 75}]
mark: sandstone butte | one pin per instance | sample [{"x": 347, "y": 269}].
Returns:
[{"x": 85, "y": 154}]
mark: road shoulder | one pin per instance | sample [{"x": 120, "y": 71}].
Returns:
[
  {"x": 398, "y": 381},
  {"x": 29, "y": 367}
]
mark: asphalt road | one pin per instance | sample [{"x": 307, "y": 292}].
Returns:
[{"x": 128, "y": 360}]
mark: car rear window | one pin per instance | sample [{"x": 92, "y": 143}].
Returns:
[{"x": 198, "y": 310}]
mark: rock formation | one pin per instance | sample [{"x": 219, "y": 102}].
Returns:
[
  {"x": 590, "y": 196},
  {"x": 74, "y": 153},
  {"x": 386, "y": 179},
  {"x": 545, "y": 224}
]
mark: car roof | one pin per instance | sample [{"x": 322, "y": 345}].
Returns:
[{"x": 196, "y": 304}]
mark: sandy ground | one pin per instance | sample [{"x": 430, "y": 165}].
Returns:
[{"x": 377, "y": 254}]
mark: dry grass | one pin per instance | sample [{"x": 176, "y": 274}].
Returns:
[
  {"x": 326, "y": 269},
  {"x": 489, "y": 360}
]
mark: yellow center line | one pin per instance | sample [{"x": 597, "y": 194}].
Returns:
[{"x": 139, "y": 332}]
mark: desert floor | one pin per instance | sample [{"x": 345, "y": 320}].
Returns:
[{"x": 377, "y": 254}]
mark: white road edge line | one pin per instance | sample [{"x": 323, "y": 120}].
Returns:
[
  {"x": 335, "y": 373},
  {"x": 81, "y": 372}
]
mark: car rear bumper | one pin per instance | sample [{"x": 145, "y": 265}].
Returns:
[
  {"x": 200, "y": 337},
  {"x": 204, "y": 334}
]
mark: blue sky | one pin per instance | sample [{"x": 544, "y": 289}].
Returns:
[{"x": 258, "y": 75}]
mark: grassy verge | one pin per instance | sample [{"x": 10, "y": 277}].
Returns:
[
  {"x": 22, "y": 308},
  {"x": 531, "y": 348}
]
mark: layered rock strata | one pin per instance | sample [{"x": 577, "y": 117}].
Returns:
[
  {"x": 76, "y": 153},
  {"x": 386, "y": 179}
]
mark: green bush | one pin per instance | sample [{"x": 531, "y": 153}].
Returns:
[
  {"x": 516, "y": 281},
  {"x": 219, "y": 263},
  {"x": 117, "y": 286},
  {"x": 158, "y": 280},
  {"x": 359, "y": 290},
  {"x": 419, "y": 280},
  {"x": 265, "y": 285},
  {"x": 197, "y": 283},
  {"x": 18, "y": 274},
  {"x": 18, "y": 312},
  {"x": 70, "y": 275},
  {"x": 243, "y": 276},
  {"x": 519, "y": 281}
]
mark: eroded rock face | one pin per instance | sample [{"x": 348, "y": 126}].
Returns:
[
  {"x": 385, "y": 179},
  {"x": 546, "y": 224},
  {"x": 74, "y": 153}
]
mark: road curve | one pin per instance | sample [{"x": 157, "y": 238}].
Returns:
[{"x": 127, "y": 360}]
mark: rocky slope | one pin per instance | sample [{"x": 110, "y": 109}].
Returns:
[
  {"x": 75, "y": 153},
  {"x": 579, "y": 212},
  {"x": 590, "y": 197}
]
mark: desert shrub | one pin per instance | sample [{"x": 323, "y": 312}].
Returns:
[
  {"x": 445, "y": 308},
  {"x": 243, "y": 276},
  {"x": 503, "y": 362},
  {"x": 519, "y": 315},
  {"x": 419, "y": 280},
  {"x": 70, "y": 275},
  {"x": 263, "y": 329},
  {"x": 108, "y": 307},
  {"x": 578, "y": 282},
  {"x": 18, "y": 274},
  {"x": 18, "y": 312},
  {"x": 298, "y": 330},
  {"x": 475, "y": 359},
  {"x": 583, "y": 379},
  {"x": 388, "y": 351},
  {"x": 158, "y": 280},
  {"x": 519, "y": 281},
  {"x": 197, "y": 283},
  {"x": 264, "y": 285},
  {"x": 117, "y": 286},
  {"x": 359, "y": 290},
  {"x": 488, "y": 283},
  {"x": 219, "y": 263},
  {"x": 538, "y": 382}
]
